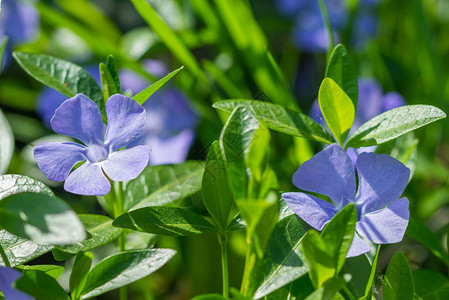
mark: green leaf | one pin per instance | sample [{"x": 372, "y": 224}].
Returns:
[
  {"x": 6, "y": 143},
  {"x": 80, "y": 270},
  {"x": 121, "y": 269},
  {"x": 209, "y": 297},
  {"x": 360, "y": 269},
  {"x": 11, "y": 184},
  {"x": 40, "y": 218},
  {"x": 342, "y": 71},
  {"x": 112, "y": 68},
  {"x": 108, "y": 85},
  {"x": 394, "y": 123},
  {"x": 281, "y": 119},
  {"x": 41, "y": 286},
  {"x": 338, "y": 235},
  {"x": 19, "y": 250},
  {"x": 146, "y": 93},
  {"x": 100, "y": 232},
  {"x": 283, "y": 261},
  {"x": 217, "y": 196},
  {"x": 164, "y": 220},
  {"x": 337, "y": 108},
  {"x": 3, "y": 44},
  {"x": 398, "y": 279},
  {"x": 329, "y": 289},
  {"x": 63, "y": 76},
  {"x": 430, "y": 285},
  {"x": 164, "y": 184},
  {"x": 52, "y": 270}
]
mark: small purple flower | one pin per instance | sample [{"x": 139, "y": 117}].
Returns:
[
  {"x": 382, "y": 217},
  {"x": 7, "y": 277},
  {"x": 80, "y": 118}
]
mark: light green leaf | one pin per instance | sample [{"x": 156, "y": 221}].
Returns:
[
  {"x": 19, "y": 250},
  {"x": 40, "y": 218},
  {"x": 52, "y": 270},
  {"x": 394, "y": 123},
  {"x": 63, "y": 76},
  {"x": 430, "y": 285},
  {"x": 11, "y": 184},
  {"x": 164, "y": 220},
  {"x": 121, "y": 269},
  {"x": 217, "y": 196},
  {"x": 283, "y": 261},
  {"x": 100, "y": 232},
  {"x": 108, "y": 85},
  {"x": 112, "y": 68},
  {"x": 80, "y": 270},
  {"x": 146, "y": 93},
  {"x": 398, "y": 279},
  {"x": 342, "y": 71},
  {"x": 41, "y": 286},
  {"x": 164, "y": 184},
  {"x": 329, "y": 289},
  {"x": 3, "y": 44},
  {"x": 337, "y": 108},
  {"x": 281, "y": 119},
  {"x": 6, "y": 143}
]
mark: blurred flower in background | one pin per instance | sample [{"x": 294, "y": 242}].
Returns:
[
  {"x": 309, "y": 32},
  {"x": 171, "y": 122},
  {"x": 19, "y": 21}
]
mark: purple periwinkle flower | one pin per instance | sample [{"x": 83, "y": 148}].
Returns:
[
  {"x": 7, "y": 277},
  {"x": 80, "y": 118},
  {"x": 382, "y": 217}
]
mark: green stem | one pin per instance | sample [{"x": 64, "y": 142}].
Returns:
[
  {"x": 250, "y": 262},
  {"x": 223, "y": 241},
  {"x": 119, "y": 210},
  {"x": 327, "y": 23},
  {"x": 4, "y": 257}
]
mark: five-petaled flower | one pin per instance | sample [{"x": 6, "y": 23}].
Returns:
[
  {"x": 381, "y": 216},
  {"x": 80, "y": 118}
]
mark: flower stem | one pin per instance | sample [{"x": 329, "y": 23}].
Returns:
[
  {"x": 223, "y": 241},
  {"x": 250, "y": 262},
  {"x": 119, "y": 210},
  {"x": 4, "y": 257},
  {"x": 328, "y": 25}
]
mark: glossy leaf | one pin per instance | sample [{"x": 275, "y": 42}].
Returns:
[
  {"x": 430, "y": 284},
  {"x": 217, "y": 196},
  {"x": 165, "y": 220},
  {"x": 337, "y": 108},
  {"x": 6, "y": 143},
  {"x": 41, "y": 218},
  {"x": 342, "y": 71},
  {"x": 41, "y": 286},
  {"x": 11, "y": 184},
  {"x": 164, "y": 184},
  {"x": 146, "y": 93},
  {"x": 283, "y": 261},
  {"x": 78, "y": 276},
  {"x": 121, "y": 269},
  {"x": 100, "y": 232},
  {"x": 63, "y": 76},
  {"x": 398, "y": 279},
  {"x": 281, "y": 119},
  {"x": 20, "y": 250},
  {"x": 394, "y": 123},
  {"x": 52, "y": 270}
]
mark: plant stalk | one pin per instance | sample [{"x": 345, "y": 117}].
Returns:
[
  {"x": 223, "y": 241},
  {"x": 119, "y": 210},
  {"x": 5, "y": 257}
]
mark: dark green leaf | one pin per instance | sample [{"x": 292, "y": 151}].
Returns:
[
  {"x": 52, "y": 270},
  {"x": 19, "y": 250},
  {"x": 146, "y": 93},
  {"x": 217, "y": 195},
  {"x": 40, "y": 218},
  {"x": 80, "y": 270},
  {"x": 281, "y": 119},
  {"x": 283, "y": 262},
  {"x": 11, "y": 184},
  {"x": 41, "y": 286},
  {"x": 108, "y": 84},
  {"x": 121, "y": 269},
  {"x": 164, "y": 184},
  {"x": 398, "y": 278},
  {"x": 63, "y": 76},
  {"x": 394, "y": 123},
  {"x": 112, "y": 68},
  {"x": 100, "y": 232},
  {"x": 164, "y": 220},
  {"x": 430, "y": 285},
  {"x": 6, "y": 142},
  {"x": 342, "y": 71},
  {"x": 337, "y": 108}
]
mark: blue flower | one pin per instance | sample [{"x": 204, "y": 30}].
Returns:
[
  {"x": 7, "y": 277},
  {"x": 80, "y": 118},
  {"x": 382, "y": 217}
]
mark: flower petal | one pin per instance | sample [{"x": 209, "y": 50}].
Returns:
[
  {"x": 358, "y": 246},
  {"x": 330, "y": 173},
  {"x": 126, "y": 121},
  {"x": 315, "y": 211},
  {"x": 382, "y": 180},
  {"x": 56, "y": 159},
  {"x": 88, "y": 179},
  {"x": 79, "y": 117},
  {"x": 126, "y": 164},
  {"x": 172, "y": 150},
  {"x": 387, "y": 225},
  {"x": 7, "y": 277}
]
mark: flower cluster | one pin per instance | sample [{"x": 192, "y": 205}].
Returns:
[{"x": 382, "y": 215}]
